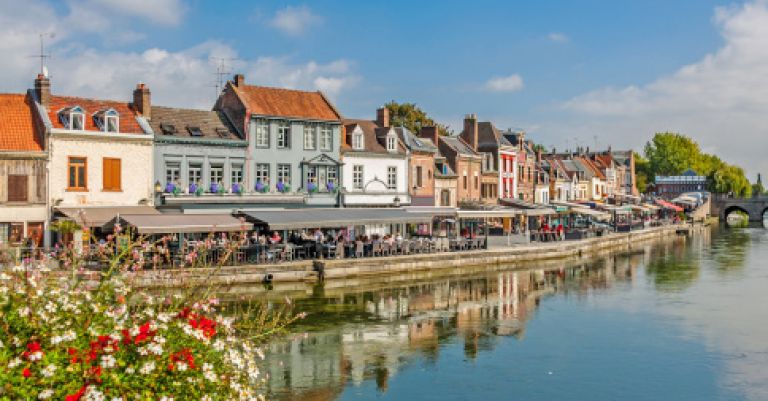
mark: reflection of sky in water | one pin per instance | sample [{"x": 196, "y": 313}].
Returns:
[{"x": 672, "y": 322}]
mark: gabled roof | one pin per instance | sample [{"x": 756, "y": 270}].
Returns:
[
  {"x": 458, "y": 145},
  {"x": 374, "y": 137},
  {"x": 211, "y": 124},
  {"x": 17, "y": 125},
  {"x": 288, "y": 103},
  {"x": 128, "y": 123},
  {"x": 487, "y": 135}
]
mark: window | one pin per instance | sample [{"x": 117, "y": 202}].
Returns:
[
  {"x": 357, "y": 141},
  {"x": 194, "y": 131},
  {"x": 445, "y": 198},
  {"x": 326, "y": 137},
  {"x": 195, "y": 173},
  {"x": 172, "y": 172},
  {"x": 77, "y": 121},
  {"x": 284, "y": 173},
  {"x": 333, "y": 175},
  {"x": 17, "y": 188},
  {"x": 112, "y": 123},
  {"x": 312, "y": 174},
  {"x": 217, "y": 173},
  {"x": 284, "y": 135},
  {"x": 477, "y": 181},
  {"x": 236, "y": 174},
  {"x": 11, "y": 232},
  {"x": 392, "y": 177},
  {"x": 262, "y": 173},
  {"x": 262, "y": 134},
  {"x": 357, "y": 176},
  {"x": 391, "y": 143},
  {"x": 309, "y": 137},
  {"x": 464, "y": 183},
  {"x": 418, "y": 177},
  {"x": 107, "y": 120},
  {"x": 78, "y": 176},
  {"x": 111, "y": 178}
]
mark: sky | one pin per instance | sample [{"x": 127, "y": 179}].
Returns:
[{"x": 591, "y": 73}]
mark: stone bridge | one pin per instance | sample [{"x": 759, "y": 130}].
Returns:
[{"x": 754, "y": 207}]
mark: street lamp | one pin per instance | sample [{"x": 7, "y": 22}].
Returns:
[
  {"x": 158, "y": 187},
  {"x": 396, "y": 201}
]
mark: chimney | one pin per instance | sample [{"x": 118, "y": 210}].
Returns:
[
  {"x": 431, "y": 132},
  {"x": 43, "y": 90},
  {"x": 470, "y": 130},
  {"x": 521, "y": 140},
  {"x": 141, "y": 100},
  {"x": 382, "y": 117},
  {"x": 239, "y": 80}
]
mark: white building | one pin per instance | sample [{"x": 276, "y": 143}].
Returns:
[
  {"x": 375, "y": 165},
  {"x": 100, "y": 156}
]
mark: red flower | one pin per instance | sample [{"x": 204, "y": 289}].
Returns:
[
  {"x": 77, "y": 395},
  {"x": 207, "y": 326},
  {"x": 26, "y": 372}
]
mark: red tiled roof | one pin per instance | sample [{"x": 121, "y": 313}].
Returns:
[
  {"x": 17, "y": 127},
  {"x": 128, "y": 123},
  {"x": 292, "y": 103}
]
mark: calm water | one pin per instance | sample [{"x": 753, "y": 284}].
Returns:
[{"x": 686, "y": 320}]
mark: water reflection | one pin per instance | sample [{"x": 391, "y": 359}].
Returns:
[
  {"x": 376, "y": 333},
  {"x": 687, "y": 315}
]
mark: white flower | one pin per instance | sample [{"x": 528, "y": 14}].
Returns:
[
  {"x": 206, "y": 398},
  {"x": 147, "y": 368},
  {"x": 14, "y": 363},
  {"x": 49, "y": 370},
  {"x": 164, "y": 398},
  {"x": 45, "y": 394},
  {"x": 108, "y": 361},
  {"x": 181, "y": 366},
  {"x": 35, "y": 356},
  {"x": 130, "y": 370}
]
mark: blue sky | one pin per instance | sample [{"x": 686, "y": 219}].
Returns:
[{"x": 565, "y": 71}]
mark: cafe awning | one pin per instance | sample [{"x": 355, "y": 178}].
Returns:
[
  {"x": 668, "y": 205},
  {"x": 292, "y": 219},
  {"x": 590, "y": 212},
  {"x": 180, "y": 223},
  {"x": 97, "y": 216}
]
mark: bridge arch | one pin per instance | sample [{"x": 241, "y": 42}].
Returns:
[{"x": 736, "y": 208}]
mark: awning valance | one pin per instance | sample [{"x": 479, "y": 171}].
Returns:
[
  {"x": 180, "y": 223},
  {"x": 97, "y": 216},
  {"x": 668, "y": 205},
  {"x": 290, "y": 219}
]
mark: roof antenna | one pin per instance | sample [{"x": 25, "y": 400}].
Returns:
[
  {"x": 42, "y": 55},
  {"x": 222, "y": 71}
]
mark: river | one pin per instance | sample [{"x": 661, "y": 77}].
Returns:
[{"x": 679, "y": 320}]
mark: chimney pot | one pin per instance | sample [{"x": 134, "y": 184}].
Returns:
[
  {"x": 470, "y": 130},
  {"x": 142, "y": 100},
  {"x": 239, "y": 80},
  {"x": 382, "y": 117},
  {"x": 43, "y": 90}
]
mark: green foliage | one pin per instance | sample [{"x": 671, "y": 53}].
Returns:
[
  {"x": 672, "y": 154},
  {"x": 642, "y": 172},
  {"x": 411, "y": 116},
  {"x": 64, "y": 226}
]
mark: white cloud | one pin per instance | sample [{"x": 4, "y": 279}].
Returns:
[
  {"x": 509, "y": 83},
  {"x": 181, "y": 78},
  {"x": 157, "y": 11},
  {"x": 558, "y": 37},
  {"x": 294, "y": 21},
  {"x": 719, "y": 100}
]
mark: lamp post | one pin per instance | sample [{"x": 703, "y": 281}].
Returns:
[
  {"x": 396, "y": 201},
  {"x": 158, "y": 192}
]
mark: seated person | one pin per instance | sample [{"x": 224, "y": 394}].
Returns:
[{"x": 275, "y": 238}]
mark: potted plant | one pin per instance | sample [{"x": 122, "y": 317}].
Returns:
[
  {"x": 261, "y": 187},
  {"x": 195, "y": 189},
  {"x": 330, "y": 186},
  {"x": 311, "y": 187},
  {"x": 283, "y": 187},
  {"x": 170, "y": 187},
  {"x": 220, "y": 190},
  {"x": 214, "y": 188},
  {"x": 237, "y": 188}
]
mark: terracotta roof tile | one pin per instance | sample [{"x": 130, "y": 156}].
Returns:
[
  {"x": 290, "y": 103},
  {"x": 17, "y": 127},
  {"x": 128, "y": 123}
]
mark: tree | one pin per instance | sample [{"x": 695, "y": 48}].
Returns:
[
  {"x": 642, "y": 172},
  {"x": 411, "y": 116}
]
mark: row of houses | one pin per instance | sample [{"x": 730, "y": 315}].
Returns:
[{"x": 262, "y": 147}]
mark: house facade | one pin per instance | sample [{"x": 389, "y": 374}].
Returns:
[
  {"x": 467, "y": 165},
  {"x": 672, "y": 186},
  {"x": 293, "y": 139},
  {"x": 375, "y": 164},
  {"x": 421, "y": 164},
  {"x": 526, "y": 165},
  {"x": 100, "y": 152},
  {"x": 444, "y": 178},
  {"x": 23, "y": 207}
]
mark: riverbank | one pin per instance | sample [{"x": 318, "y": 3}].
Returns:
[{"x": 313, "y": 270}]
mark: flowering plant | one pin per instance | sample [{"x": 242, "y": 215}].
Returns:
[
  {"x": 330, "y": 186},
  {"x": 73, "y": 335},
  {"x": 214, "y": 188},
  {"x": 311, "y": 186},
  {"x": 237, "y": 188},
  {"x": 170, "y": 187},
  {"x": 193, "y": 188},
  {"x": 283, "y": 187},
  {"x": 261, "y": 187}
]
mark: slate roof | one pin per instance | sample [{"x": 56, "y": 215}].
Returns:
[
  {"x": 128, "y": 123},
  {"x": 289, "y": 103},
  {"x": 212, "y": 124},
  {"x": 17, "y": 127},
  {"x": 458, "y": 145},
  {"x": 415, "y": 143}
]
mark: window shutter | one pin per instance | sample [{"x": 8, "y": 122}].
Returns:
[
  {"x": 111, "y": 173},
  {"x": 17, "y": 188}
]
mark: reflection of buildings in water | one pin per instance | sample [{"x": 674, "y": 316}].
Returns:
[{"x": 411, "y": 321}]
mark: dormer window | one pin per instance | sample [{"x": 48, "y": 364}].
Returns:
[
  {"x": 73, "y": 118},
  {"x": 107, "y": 120},
  {"x": 357, "y": 141},
  {"x": 168, "y": 129},
  {"x": 391, "y": 143}
]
